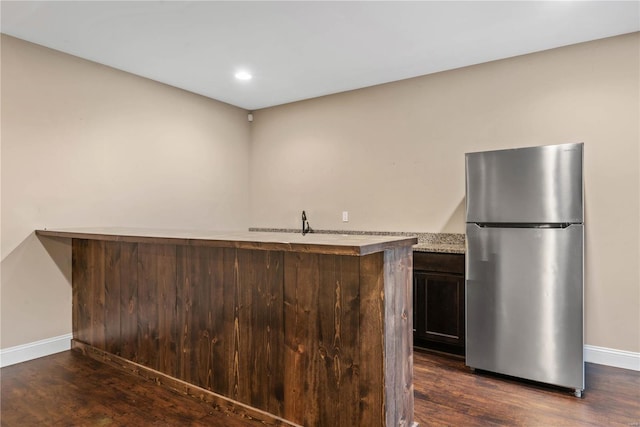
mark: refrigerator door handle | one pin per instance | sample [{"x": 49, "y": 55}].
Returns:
[{"x": 522, "y": 225}]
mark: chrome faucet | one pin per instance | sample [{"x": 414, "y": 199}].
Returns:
[{"x": 306, "y": 228}]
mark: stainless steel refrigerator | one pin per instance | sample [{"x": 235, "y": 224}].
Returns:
[{"x": 525, "y": 263}]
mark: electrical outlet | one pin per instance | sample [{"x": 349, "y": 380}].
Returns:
[{"x": 345, "y": 216}]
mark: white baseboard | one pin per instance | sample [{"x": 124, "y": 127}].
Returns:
[
  {"x": 22, "y": 353},
  {"x": 612, "y": 357}
]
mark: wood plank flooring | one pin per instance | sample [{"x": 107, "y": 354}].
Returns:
[
  {"x": 447, "y": 393},
  {"x": 68, "y": 389}
]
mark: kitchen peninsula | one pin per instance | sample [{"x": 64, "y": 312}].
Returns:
[{"x": 308, "y": 330}]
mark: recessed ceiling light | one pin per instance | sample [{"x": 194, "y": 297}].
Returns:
[{"x": 243, "y": 75}]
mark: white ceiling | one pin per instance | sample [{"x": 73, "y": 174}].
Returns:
[{"x": 300, "y": 50}]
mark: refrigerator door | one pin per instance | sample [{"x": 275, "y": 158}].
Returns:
[
  {"x": 524, "y": 294},
  {"x": 525, "y": 185}
]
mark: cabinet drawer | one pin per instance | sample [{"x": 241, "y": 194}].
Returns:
[{"x": 438, "y": 262}]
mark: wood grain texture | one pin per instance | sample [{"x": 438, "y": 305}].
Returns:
[
  {"x": 449, "y": 394},
  {"x": 88, "y": 299},
  {"x": 322, "y": 335},
  {"x": 300, "y": 311},
  {"x": 97, "y": 293},
  {"x": 68, "y": 388},
  {"x": 339, "y": 339},
  {"x": 259, "y": 329},
  {"x": 299, "y": 335},
  {"x": 112, "y": 288},
  {"x": 71, "y": 389},
  {"x": 200, "y": 317},
  {"x": 79, "y": 293},
  {"x": 182, "y": 387},
  {"x": 398, "y": 343},
  {"x": 157, "y": 332},
  {"x": 128, "y": 270},
  {"x": 372, "y": 340}
]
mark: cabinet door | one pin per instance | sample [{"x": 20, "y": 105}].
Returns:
[{"x": 439, "y": 307}]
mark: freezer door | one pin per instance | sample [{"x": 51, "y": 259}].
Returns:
[
  {"x": 525, "y": 185},
  {"x": 524, "y": 303}
]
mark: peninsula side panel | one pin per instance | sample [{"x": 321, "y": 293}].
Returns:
[{"x": 398, "y": 333}]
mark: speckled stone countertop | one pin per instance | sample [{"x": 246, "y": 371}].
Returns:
[
  {"x": 440, "y": 248},
  {"x": 451, "y": 243}
]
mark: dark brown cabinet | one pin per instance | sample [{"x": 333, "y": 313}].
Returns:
[{"x": 438, "y": 301}]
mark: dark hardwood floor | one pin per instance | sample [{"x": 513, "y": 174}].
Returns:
[
  {"x": 447, "y": 393},
  {"x": 69, "y": 389}
]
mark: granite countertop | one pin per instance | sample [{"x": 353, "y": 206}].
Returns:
[
  {"x": 338, "y": 244},
  {"x": 449, "y": 243},
  {"x": 456, "y": 248}
]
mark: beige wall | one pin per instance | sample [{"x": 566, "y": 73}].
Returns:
[
  {"x": 393, "y": 156},
  {"x": 86, "y": 145}
]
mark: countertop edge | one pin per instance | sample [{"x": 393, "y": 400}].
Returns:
[
  {"x": 333, "y": 248},
  {"x": 443, "y": 249},
  {"x": 451, "y": 243}
]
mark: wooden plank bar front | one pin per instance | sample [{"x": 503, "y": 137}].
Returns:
[{"x": 313, "y": 338}]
